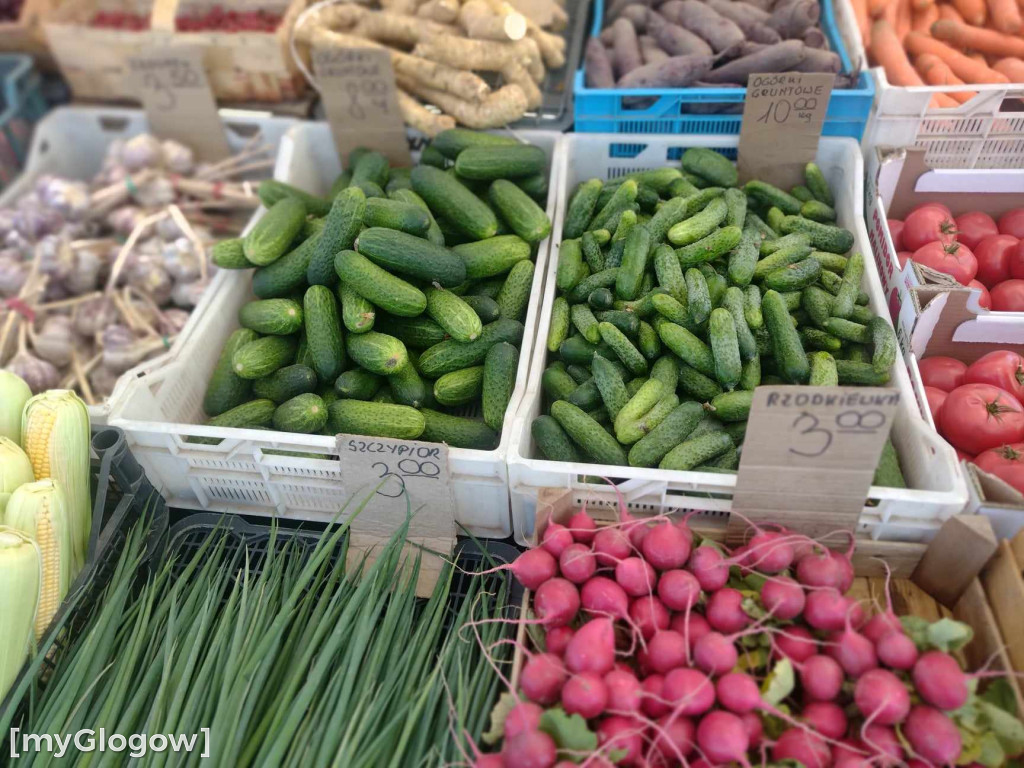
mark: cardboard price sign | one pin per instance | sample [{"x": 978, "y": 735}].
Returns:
[
  {"x": 782, "y": 119},
  {"x": 810, "y": 454},
  {"x": 172, "y": 86},
  {"x": 360, "y": 99}
]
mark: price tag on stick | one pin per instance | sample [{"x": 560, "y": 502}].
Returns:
[
  {"x": 782, "y": 119},
  {"x": 809, "y": 456},
  {"x": 172, "y": 86},
  {"x": 358, "y": 89}
]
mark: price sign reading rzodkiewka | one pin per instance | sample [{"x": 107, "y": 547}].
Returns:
[
  {"x": 782, "y": 119},
  {"x": 172, "y": 86}
]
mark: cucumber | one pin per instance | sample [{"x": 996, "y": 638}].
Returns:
[
  {"x": 492, "y": 257},
  {"x": 580, "y": 373},
  {"x": 394, "y": 214},
  {"x": 737, "y": 203},
  {"x": 888, "y": 473},
  {"x": 832, "y": 282},
  {"x": 681, "y": 187},
  {"x": 818, "y": 211},
  {"x": 384, "y": 396},
  {"x": 324, "y": 338},
  {"x": 511, "y": 161},
  {"x": 696, "y": 451},
  {"x": 852, "y": 372},
  {"x": 847, "y": 330},
  {"x": 499, "y": 380},
  {"x": 733, "y": 406},
  {"x": 340, "y": 229},
  {"x": 737, "y": 431},
  {"x": 771, "y": 196},
  {"x": 849, "y": 287},
  {"x": 262, "y": 357},
  {"x": 743, "y": 258},
  {"x": 451, "y": 142},
  {"x": 581, "y": 208},
  {"x": 577, "y": 350},
  {"x": 642, "y": 401},
  {"x": 452, "y": 355},
  {"x": 699, "y": 298},
  {"x": 671, "y": 213},
  {"x": 571, "y": 270},
  {"x": 634, "y": 263},
  {"x": 817, "y": 185},
  {"x": 368, "y": 165},
  {"x": 558, "y": 329},
  {"x": 355, "y": 417},
  {"x": 779, "y": 259},
  {"x": 725, "y": 463},
  {"x": 775, "y": 217},
  {"x": 668, "y": 272},
  {"x": 459, "y": 387},
  {"x": 556, "y": 382},
  {"x": 536, "y": 186},
  {"x": 357, "y": 384},
  {"x": 883, "y": 342},
  {"x": 414, "y": 332},
  {"x": 633, "y": 431},
  {"x": 285, "y": 383},
  {"x": 458, "y": 432},
  {"x": 408, "y": 387},
  {"x": 551, "y": 440},
  {"x": 454, "y": 202},
  {"x": 453, "y": 314},
  {"x": 584, "y": 321},
  {"x": 623, "y": 348},
  {"x": 857, "y": 353},
  {"x": 226, "y": 390},
  {"x": 788, "y": 350},
  {"x": 733, "y": 302},
  {"x": 405, "y": 254},
  {"x": 648, "y": 341},
  {"x": 271, "y": 317},
  {"x": 711, "y": 166},
  {"x": 801, "y": 193},
  {"x": 690, "y": 349},
  {"x": 357, "y": 313},
  {"x": 823, "y": 370},
  {"x": 717, "y": 285},
  {"x": 343, "y": 181},
  {"x": 725, "y": 348},
  {"x": 271, "y": 192},
  {"x": 621, "y": 199},
  {"x": 398, "y": 179},
  {"x": 752, "y": 307},
  {"x": 514, "y": 296},
  {"x": 524, "y": 216},
  {"x": 700, "y": 225},
  {"x": 709, "y": 248},
  {"x": 601, "y": 299},
  {"x": 824, "y": 237},
  {"x": 588, "y": 434},
  {"x": 378, "y": 286},
  {"x": 270, "y": 237},
  {"x": 813, "y": 338},
  {"x": 581, "y": 290},
  {"x": 627, "y": 322},
  {"x": 592, "y": 252},
  {"x": 255, "y": 414},
  {"x": 378, "y": 353},
  {"x": 794, "y": 277},
  {"x": 658, "y": 179},
  {"x": 610, "y": 386},
  {"x": 304, "y": 413},
  {"x": 486, "y": 308},
  {"x": 750, "y": 378},
  {"x": 230, "y": 254},
  {"x": 287, "y": 274},
  {"x": 302, "y": 355},
  {"x": 764, "y": 231},
  {"x": 768, "y": 247},
  {"x": 633, "y": 385},
  {"x": 434, "y": 233},
  {"x": 817, "y": 303},
  {"x": 672, "y": 430}
]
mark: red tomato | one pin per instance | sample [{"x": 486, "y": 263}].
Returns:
[
  {"x": 1003, "y": 369},
  {"x": 985, "y": 300},
  {"x": 962, "y": 455},
  {"x": 1008, "y": 296},
  {"x": 954, "y": 259},
  {"x": 928, "y": 224},
  {"x": 1005, "y": 462},
  {"x": 993, "y": 255},
  {"x": 1012, "y": 223},
  {"x": 972, "y": 227},
  {"x": 941, "y": 206},
  {"x": 896, "y": 232},
  {"x": 1017, "y": 261},
  {"x": 936, "y": 397},
  {"x": 903, "y": 257},
  {"x": 945, "y": 373},
  {"x": 976, "y": 417}
]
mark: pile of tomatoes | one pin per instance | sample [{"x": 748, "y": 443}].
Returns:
[
  {"x": 979, "y": 409},
  {"x": 973, "y": 248}
]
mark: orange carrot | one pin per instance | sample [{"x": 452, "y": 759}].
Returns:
[
  {"x": 972, "y": 11},
  {"x": 876, "y": 8},
  {"x": 943, "y": 101},
  {"x": 934, "y": 71},
  {"x": 889, "y": 14},
  {"x": 963, "y": 67},
  {"x": 968, "y": 38},
  {"x": 1012, "y": 68},
  {"x": 949, "y": 12},
  {"x": 924, "y": 18},
  {"x": 920, "y": 5},
  {"x": 1005, "y": 16},
  {"x": 903, "y": 17},
  {"x": 860, "y": 13},
  {"x": 887, "y": 52}
]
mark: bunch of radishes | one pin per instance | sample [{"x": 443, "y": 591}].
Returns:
[
  {"x": 973, "y": 248},
  {"x": 653, "y": 650}
]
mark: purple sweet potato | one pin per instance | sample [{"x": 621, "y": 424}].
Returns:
[
  {"x": 791, "y": 18},
  {"x": 814, "y": 38},
  {"x": 637, "y": 14},
  {"x": 748, "y": 48},
  {"x": 615, "y": 8},
  {"x": 625, "y": 48},
  {"x": 676, "y": 40},
  {"x": 598, "y": 65},
  {"x": 817, "y": 60},
  {"x": 720, "y": 33},
  {"x": 674, "y": 72},
  {"x": 672, "y": 10},
  {"x": 753, "y": 21},
  {"x": 775, "y": 58},
  {"x": 650, "y": 50},
  {"x": 607, "y": 36}
]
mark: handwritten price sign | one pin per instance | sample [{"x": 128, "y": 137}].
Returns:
[
  {"x": 357, "y": 86},
  {"x": 812, "y": 450}
]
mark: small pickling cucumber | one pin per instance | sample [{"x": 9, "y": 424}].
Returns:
[
  {"x": 453, "y": 314},
  {"x": 696, "y": 451},
  {"x": 271, "y": 191},
  {"x": 558, "y": 328},
  {"x": 733, "y": 406},
  {"x": 226, "y": 389},
  {"x": 699, "y": 225},
  {"x": 849, "y": 287},
  {"x": 324, "y": 338},
  {"x": 377, "y": 352},
  {"x": 271, "y": 236},
  {"x": 408, "y": 387},
  {"x": 852, "y": 372},
  {"x": 305, "y": 413},
  {"x": 630, "y": 356},
  {"x": 670, "y": 432},
  {"x": 453, "y": 202},
  {"x": 357, "y": 417},
  {"x": 341, "y": 226},
  {"x": 405, "y": 254},
  {"x": 627, "y": 322},
  {"x": 230, "y": 254},
  {"x": 378, "y": 286},
  {"x": 552, "y": 441},
  {"x": 770, "y": 195},
  {"x": 824, "y": 237},
  {"x": 514, "y": 296},
  {"x": 634, "y": 264},
  {"x": 883, "y": 342},
  {"x": 500, "y": 161},
  {"x": 725, "y": 348},
  {"x": 588, "y": 434},
  {"x": 415, "y": 332},
  {"x": 524, "y": 216},
  {"x": 357, "y": 313},
  {"x": 459, "y": 387},
  {"x": 394, "y": 214},
  {"x": 357, "y": 384},
  {"x": 709, "y": 248},
  {"x": 817, "y": 184},
  {"x": 581, "y": 208},
  {"x": 493, "y": 256},
  {"x": 458, "y": 431},
  {"x": 271, "y": 317},
  {"x": 263, "y": 356},
  {"x": 452, "y": 355},
  {"x": 285, "y": 383},
  {"x": 786, "y": 345},
  {"x": 793, "y": 277},
  {"x": 288, "y": 274},
  {"x": 711, "y": 166},
  {"x": 500, "y": 368},
  {"x": 688, "y": 347},
  {"x": 698, "y": 296},
  {"x": 254, "y": 414},
  {"x": 823, "y": 370}
]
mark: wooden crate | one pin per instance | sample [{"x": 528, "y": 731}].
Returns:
[{"x": 1004, "y": 587}]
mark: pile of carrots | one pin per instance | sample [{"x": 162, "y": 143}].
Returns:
[{"x": 944, "y": 42}]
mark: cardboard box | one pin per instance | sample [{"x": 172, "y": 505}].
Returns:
[
  {"x": 897, "y": 181},
  {"x": 949, "y": 324}
]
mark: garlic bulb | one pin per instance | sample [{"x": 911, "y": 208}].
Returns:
[
  {"x": 142, "y": 151},
  {"x": 168, "y": 228},
  {"x": 117, "y": 341},
  {"x": 84, "y": 276},
  {"x": 151, "y": 278},
  {"x": 55, "y": 342},
  {"x": 177, "y": 157},
  {"x": 33, "y": 220},
  {"x": 56, "y": 258},
  {"x": 187, "y": 295},
  {"x": 124, "y": 219},
  {"x": 102, "y": 380},
  {"x": 173, "y": 321},
  {"x": 155, "y": 193},
  {"x": 180, "y": 260},
  {"x": 93, "y": 316},
  {"x": 13, "y": 273},
  {"x": 38, "y": 374},
  {"x": 68, "y": 198}
]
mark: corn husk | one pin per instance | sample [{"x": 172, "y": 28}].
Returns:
[
  {"x": 14, "y": 393},
  {"x": 20, "y": 577},
  {"x": 15, "y": 471}
]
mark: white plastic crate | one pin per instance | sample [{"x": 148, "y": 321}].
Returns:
[
  {"x": 929, "y": 464},
  {"x": 160, "y": 408},
  {"x": 72, "y": 141}
]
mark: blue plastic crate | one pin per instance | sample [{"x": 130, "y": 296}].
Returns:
[
  {"x": 711, "y": 110},
  {"x": 21, "y": 106}
]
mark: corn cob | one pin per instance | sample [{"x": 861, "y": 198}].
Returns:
[
  {"x": 55, "y": 435},
  {"x": 15, "y": 470},
  {"x": 20, "y": 576},
  {"x": 14, "y": 393},
  {"x": 38, "y": 510}
]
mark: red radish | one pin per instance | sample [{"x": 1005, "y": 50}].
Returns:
[
  {"x": 802, "y": 746},
  {"x": 556, "y": 602},
  {"x": 795, "y": 643},
  {"x": 881, "y": 624},
  {"x": 755, "y": 728},
  {"x": 583, "y": 527},
  {"x": 556, "y": 538},
  {"x": 884, "y": 743},
  {"x": 532, "y": 749},
  {"x": 622, "y": 733},
  {"x": 636, "y": 576},
  {"x": 557, "y": 639},
  {"x": 611, "y": 545},
  {"x": 678, "y": 590},
  {"x": 985, "y": 298},
  {"x": 652, "y": 702},
  {"x": 896, "y": 232},
  {"x": 715, "y": 654},
  {"x": 648, "y": 615},
  {"x": 940, "y": 681},
  {"x": 691, "y": 692},
  {"x": 826, "y": 610},
  {"x": 723, "y": 738},
  {"x": 585, "y": 695},
  {"x": 624, "y": 692},
  {"x": 490, "y": 761},
  {"x": 667, "y": 546},
  {"x": 577, "y": 563},
  {"x": 592, "y": 648},
  {"x": 932, "y": 735},
  {"x": 674, "y": 739},
  {"x": 897, "y": 651},
  {"x": 524, "y": 716},
  {"x": 533, "y": 567},
  {"x": 854, "y": 652},
  {"x": 783, "y": 598},
  {"x": 882, "y": 697},
  {"x": 936, "y": 397},
  {"x": 974, "y": 226},
  {"x": 693, "y": 629},
  {"x": 994, "y": 254},
  {"x": 708, "y": 565},
  {"x": 666, "y": 650},
  {"x": 825, "y": 717},
  {"x": 821, "y": 677},
  {"x": 738, "y": 692},
  {"x": 601, "y": 595},
  {"x": 543, "y": 677},
  {"x": 769, "y": 552},
  {"x": 725, "y": 611},
  {"x": 945, "y": 373},
  {"x": 820, "y": 569}
]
